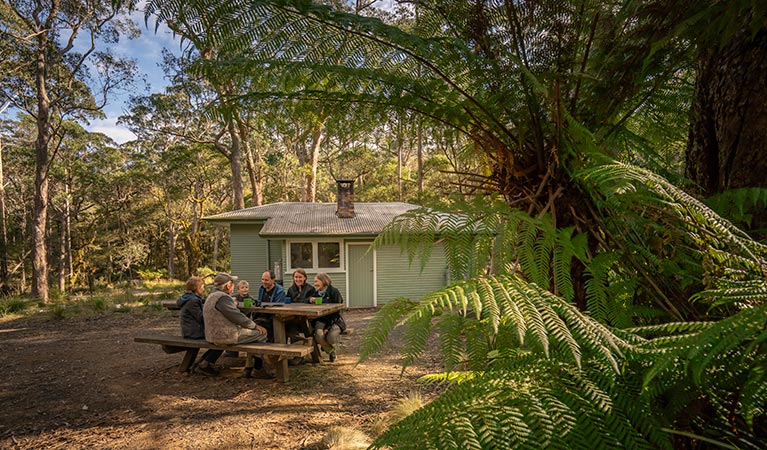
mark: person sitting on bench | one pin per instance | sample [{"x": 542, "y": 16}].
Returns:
[
  {"x": 328, "y": 329},
  {"x": 243, "y": 293},
  {"x": 193, "y": 325},
  {"x": 225, "y": 324}
]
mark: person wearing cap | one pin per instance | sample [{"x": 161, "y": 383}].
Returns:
[{"x": 225, "y": 324}]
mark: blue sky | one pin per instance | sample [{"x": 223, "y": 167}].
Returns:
[{"x": 147, "y": 51}]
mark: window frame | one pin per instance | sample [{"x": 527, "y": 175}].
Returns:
[{"x": 315, "y": 255}]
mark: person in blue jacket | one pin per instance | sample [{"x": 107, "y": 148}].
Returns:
[
  {"x": 193, "y": 325},
  {"x": 269, "y": 290}
]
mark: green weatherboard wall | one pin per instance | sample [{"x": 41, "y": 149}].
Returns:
[{"x": 395, "y": 277}]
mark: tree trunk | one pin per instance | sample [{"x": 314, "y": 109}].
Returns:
[
  {"x": 399, "y": 158},
  {"x": 420, "y": 157},
  {"x": 238, "y": 201},
  {"x": 253, "y": 163},
  {"x": 727, "y": 146},
  {"x": 194, "y": 251},
  {"x": 216, "y": 242},
  {"x": 171, "y": 247},
  {"x": 68, "y": 235},
  {"x": 314, "y": 156},
  {"x": 62, "y": 254},
  {"x": 40, "y": 211},
  {"x": 4, "y": 234}
]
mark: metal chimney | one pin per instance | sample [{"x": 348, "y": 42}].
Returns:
[{"x": 345, "y": 208}]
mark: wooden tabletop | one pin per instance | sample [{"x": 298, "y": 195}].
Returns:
[
  {"x": 296, "y": 309},
  {"x": 281, "y": 309}
]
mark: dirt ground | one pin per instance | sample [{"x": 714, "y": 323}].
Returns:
[{"x": 82, "y": 382}]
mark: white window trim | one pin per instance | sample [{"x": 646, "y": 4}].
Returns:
[{"x": 315, "y": 256}]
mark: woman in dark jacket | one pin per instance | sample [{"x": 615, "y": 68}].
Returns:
[
  {"x": 301, "y": 291},
  {"x": 192, "y": 324},
  {"x": 327, "y": 330}
]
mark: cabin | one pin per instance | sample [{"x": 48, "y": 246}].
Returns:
[{"x": 334, "y": 238}]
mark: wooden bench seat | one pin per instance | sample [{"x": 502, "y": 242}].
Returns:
[{"x": 175, "y": 344}]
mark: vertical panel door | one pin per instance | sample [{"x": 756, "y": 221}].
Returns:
[{"x": 360, "y": 269}]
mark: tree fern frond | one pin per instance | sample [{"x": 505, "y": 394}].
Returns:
[
  {"x": 526, "y": 409},
  {"x": 564, "y": 252},
  {"x": 537, "y": 320},
  {"x": 449, "y": 377},
  {"x": 382, "y": 324}
]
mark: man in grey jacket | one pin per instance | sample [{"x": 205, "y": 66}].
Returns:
[{"x": 225, "y": 324}]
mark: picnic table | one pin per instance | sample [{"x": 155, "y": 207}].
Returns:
[{"x": 283, "y": 312}]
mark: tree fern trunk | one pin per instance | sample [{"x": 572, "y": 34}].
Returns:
[{"x": 727, "y": 146}]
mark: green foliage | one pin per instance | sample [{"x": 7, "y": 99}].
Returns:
[
  {"x": 152, "y": 274},
  {"x": 670, "y": 240},
  {"x": 503, "y": 312},
  {"x": 99, "y": 303},
  {"x": 58, "y": 311},
  {"x": 496, "y": 239},
  {"x": 739, "y": 205},
  {"x": 12, "y": 305},
  {"x": 555, "y": 378},
  {"x": 513, "y": 348}
]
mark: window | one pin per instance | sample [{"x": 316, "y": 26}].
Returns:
[
  {"x": 301, "y": 255},
  {"x": 329, "y": 254},
  {"x": 315, "y": 255}
]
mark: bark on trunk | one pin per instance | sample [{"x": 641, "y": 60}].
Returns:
[
  {"x": 40, "y": 211},
  {"x": 314, "y": 155},
  {"x": 4, "y": 234},
  {"x": 727, "y": 146},
  {"x": 62, "y": 254},
  {"x": 253, "y": 162},
  {"x": 238, "y": 201}
]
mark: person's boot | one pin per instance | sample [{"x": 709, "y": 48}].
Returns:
[
  {"x": 333, "y": 355},
  {"x": 247, "y": 373},
  {"x": 206, "y": 369}
]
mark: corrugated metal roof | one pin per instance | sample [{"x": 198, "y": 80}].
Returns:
[{"x": 297, "y": 218}]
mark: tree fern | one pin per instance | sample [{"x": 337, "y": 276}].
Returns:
[{"x": 540, "y": 322}]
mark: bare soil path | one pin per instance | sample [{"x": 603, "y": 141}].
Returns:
[{"x": 83, "y": 383}]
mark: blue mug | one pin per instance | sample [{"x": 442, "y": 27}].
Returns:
[{"x": 287, "y": 300}]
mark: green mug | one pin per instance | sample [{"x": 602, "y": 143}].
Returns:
[
  {"x": 317, "y": 300},
  {"x": 247, "y": 303}
]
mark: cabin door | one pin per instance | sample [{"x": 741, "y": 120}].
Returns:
[{"x": 361, "y": 272}]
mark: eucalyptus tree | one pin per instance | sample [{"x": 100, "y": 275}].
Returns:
[
  {"x": 53, "y": 45},
  {"x": 18, "y": 164},
  {"x": 168, "y": 139},
  {"x": 215, "y": 96},
  {"x": 72, "y": 191}
]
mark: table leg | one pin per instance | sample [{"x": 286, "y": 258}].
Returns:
[
  {"x": 188, "y": 360},
  {"x": 280, "y": 337},
  {"x": 309, "y": 332}
]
